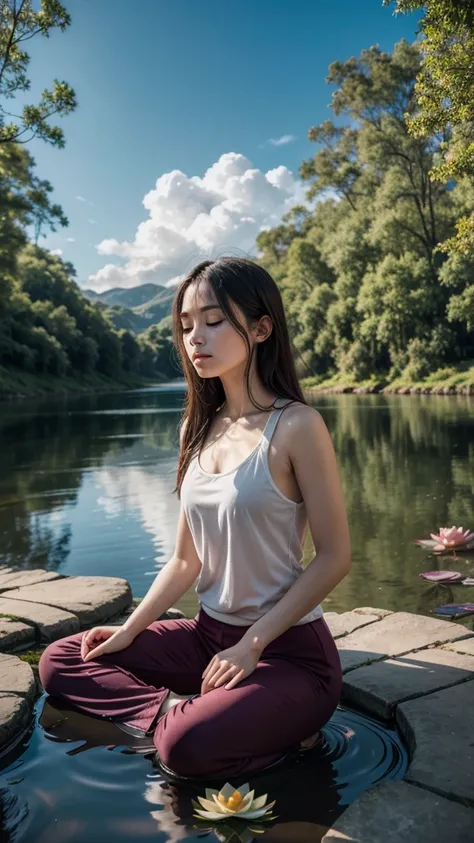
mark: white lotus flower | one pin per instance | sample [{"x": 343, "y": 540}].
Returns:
[{"x": 232, "y": 802}]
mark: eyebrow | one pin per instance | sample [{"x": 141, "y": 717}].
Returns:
[{"x": 216, "y": 306}]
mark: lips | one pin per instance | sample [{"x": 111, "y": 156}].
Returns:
[{"x": 201, "y": 356}]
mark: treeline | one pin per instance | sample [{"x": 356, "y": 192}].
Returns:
[
  {"x": 46, "y": 324},
  {"x": 371, "y": 287}
]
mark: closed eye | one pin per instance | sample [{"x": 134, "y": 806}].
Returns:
[{"x": 209, "y": 325}]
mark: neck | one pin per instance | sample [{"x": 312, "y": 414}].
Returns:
[{"x": 237, "y": 398}]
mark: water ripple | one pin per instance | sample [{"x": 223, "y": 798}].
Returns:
[{"x": 78, "y": 791}]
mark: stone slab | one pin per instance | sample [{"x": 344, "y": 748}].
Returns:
[
  {"x": 92, "y": 599},
  {"x": 439, "y": 729},
  {"x": 396, "y": 811},
  {"x": 466, "y": 646},
  {"x": 15, "y": 713},
  {"x": 369, "y": 610},
  {"x": 17, "y": 579},
  {"x": 15, "y": 635},
  {"x": 395, "y": 635},
  {"x": 51, "y": 623},
  {"x": 379, "y": 687},
  {"x": 16, "y": 677},
  {"x": 346, "y": 622}
]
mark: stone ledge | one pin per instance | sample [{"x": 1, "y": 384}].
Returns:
[
  {"x": 439, "y": 730},
  {"x": 49, "y": 623},
  {"x": 15, "y": 635},
  {"x": 93, "y": 600},
  {"x": 396, "y": 811},
  {"x": 396, "y": 635},
  {"x": 379, "y": 687},
  {"x": 348, "y": 622},
  {"x": 16, "y": 579},
  {"x": 17, "y": 692}
]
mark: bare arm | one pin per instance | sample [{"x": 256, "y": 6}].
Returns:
[{"x": 179, "y": 573}]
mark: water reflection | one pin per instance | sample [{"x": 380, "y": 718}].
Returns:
[
  {"x": 73, "y": 782},
  {"x": 86, "y": 487}
]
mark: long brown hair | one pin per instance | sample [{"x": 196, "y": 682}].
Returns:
[{"x": 251, "y": 288}]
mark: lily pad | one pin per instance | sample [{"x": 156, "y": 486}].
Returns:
[
  {"x": 441, "y": 576},
  {"x": 455, "y": 610}
]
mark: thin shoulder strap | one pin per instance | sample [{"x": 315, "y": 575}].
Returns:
[{"x": 271, "y": 425}]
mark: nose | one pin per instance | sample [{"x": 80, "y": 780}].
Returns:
[{"x": 195, "y": 339}]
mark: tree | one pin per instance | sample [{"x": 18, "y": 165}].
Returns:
[
  {"x": 366, "y": 286},
  {"x": 20, "y": 23},
  {"x": 445, "y": 95}
]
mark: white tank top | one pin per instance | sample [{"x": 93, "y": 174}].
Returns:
[{"x": 248, "y": 535}]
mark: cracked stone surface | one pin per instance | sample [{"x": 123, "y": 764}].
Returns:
[
  {"x": 440, "y": 730},
  {"x": 346, "y": 622},
  {"x": 15, "y": 713},
  {"x": 379, "y": 687},
  {"x": 16, "y": 579},
  {"x": 92, "y": 600},
  {"x": 395, "y": 635},
  {"x": 15, "y": 635},
  {"x": 51, "y": 623},
  {"x": 466, "y": 646},
  {"x": 17, "y": 690},
  {"x": 396, "y": 811}
]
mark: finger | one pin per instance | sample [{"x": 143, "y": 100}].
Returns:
[
  {"x": 219, "y": 671},
  {"x": 87, "y": 642},
  {"x": 208, "y": 668},
  {"x": 207, "y": 684},
  {"x": 229, "y": 674},
  {"x": 94, "y": 654},
  {"x": 236, "y": 679}
]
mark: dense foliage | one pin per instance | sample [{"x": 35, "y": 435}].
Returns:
[
  {"x": 368, "y": 289},
  {"x": 445, "y": 96},
  {"x": 46, "y": 324}
]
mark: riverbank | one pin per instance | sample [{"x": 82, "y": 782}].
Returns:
[
  {"x": 16, "y": 383},
  {"x": 448, "y": 381},
  {"x": 401, "y": 668}
]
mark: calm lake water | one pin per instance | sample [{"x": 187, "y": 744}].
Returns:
[{"x": 86, "y": 487}]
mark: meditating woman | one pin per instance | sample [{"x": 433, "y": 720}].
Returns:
[{"x": 256, "y": 674}]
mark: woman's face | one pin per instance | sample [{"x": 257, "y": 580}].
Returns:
[{"x": 206, "y": 331}]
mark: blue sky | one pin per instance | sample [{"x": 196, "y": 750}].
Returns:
[{"x": 174, "y": 85}]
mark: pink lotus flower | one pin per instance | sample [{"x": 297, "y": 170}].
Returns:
[{"x": 449, "y": 538}]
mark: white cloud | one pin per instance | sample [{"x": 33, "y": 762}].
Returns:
[
  {"x": 71, "y": 239},
  {"x": 191, "y": 218},
  {"x": 92, "y": 222},
  {"x": 81, "y": 199},
  {"x": 57, "y": 252},
  {"x": 282, "y": 141}
]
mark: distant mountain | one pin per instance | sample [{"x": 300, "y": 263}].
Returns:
[
  {"x": 135, "y": 308},
  {"x": 130, "y": 297},
  {"x": 158, "y": 307}
]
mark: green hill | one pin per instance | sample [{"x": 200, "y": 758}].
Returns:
[
  {"x": 131, "y": 297},
  {"x": 136, "y": 308}
]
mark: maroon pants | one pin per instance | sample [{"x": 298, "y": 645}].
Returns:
[{"x": 293, "y": 691}]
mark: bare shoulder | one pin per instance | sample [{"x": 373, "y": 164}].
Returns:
[
  {"x": 304, "y": 431},
  {"x": 300, "y": 418}
]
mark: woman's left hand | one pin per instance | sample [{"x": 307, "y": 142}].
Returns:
[{"x": 229, "y": 666}]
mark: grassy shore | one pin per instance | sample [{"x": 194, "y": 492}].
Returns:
[
  {"x": 453, "y": 380},
  {"x": 15, "y": 383}
]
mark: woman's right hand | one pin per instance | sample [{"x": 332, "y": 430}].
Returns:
[{"x": 104, "y": 639}]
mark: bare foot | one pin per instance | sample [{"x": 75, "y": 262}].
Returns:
[{"x": 310, "y": 742}]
